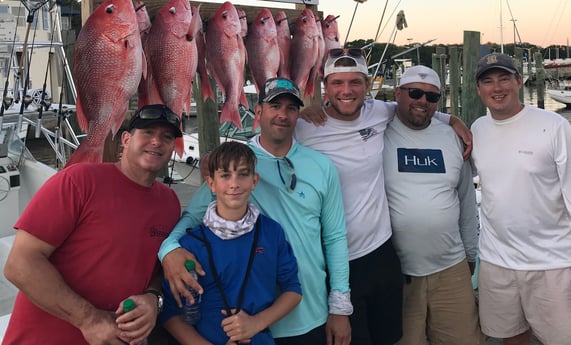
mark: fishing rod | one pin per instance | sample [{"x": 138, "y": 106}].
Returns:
[
  {"x": 29, "y": 19},
  {"x": 7, "y": 101},
  {"x": 43, "y": 102},
  {"x": 26, "y": 99}
]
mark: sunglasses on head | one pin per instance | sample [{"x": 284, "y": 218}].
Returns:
[
  {"x": 158, "y": 112},
  {"x": 352, "y": 52},
  {"x": 415, "y": 93}
]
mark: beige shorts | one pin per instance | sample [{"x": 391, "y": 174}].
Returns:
[
  {"x": 513, "y": 301},
  {"x": 440, "y": 309}
]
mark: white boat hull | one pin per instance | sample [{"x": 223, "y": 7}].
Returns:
[{"x": 560, "y": 95}]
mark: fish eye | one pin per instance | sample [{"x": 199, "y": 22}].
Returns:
[
  {"x": 172, "y": 10},
  {"x": 110, "y": 8}
]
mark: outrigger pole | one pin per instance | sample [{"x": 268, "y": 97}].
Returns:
[{"x": 7, "y": 101}]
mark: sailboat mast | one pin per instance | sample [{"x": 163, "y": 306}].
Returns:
[{"x": 501, "y": 30}]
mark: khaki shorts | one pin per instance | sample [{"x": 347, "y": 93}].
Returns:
[
  {"x": 513, "y": 301},
  {"x": 442, "y": 308}
]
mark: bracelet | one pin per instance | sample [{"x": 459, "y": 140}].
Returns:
[{"x": 160, "y": 298}]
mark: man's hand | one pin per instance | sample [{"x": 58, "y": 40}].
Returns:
[
  {"x": 314, "y": 114},
  {"x": 177, "y": 275},
  {"x": 338, "y": 330},
  {"x": 464, "y": 133},
  {"x": 137, "y": 324}
]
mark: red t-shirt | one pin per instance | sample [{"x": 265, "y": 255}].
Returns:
[{"x": 107, "y": 231}]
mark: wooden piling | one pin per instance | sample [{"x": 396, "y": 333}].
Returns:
[
  {"x": 518, "y": 59},
  {"x": 454, "y": 77},
  {"x": 439, "y": 60},
  {"x": 539, "y": 80},
  {"x": 472, "y": 106}
]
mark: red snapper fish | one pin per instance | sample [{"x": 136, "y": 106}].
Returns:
[
  {"x": 284, "y": 42},
  {"x": 107, "y": 65},
  {"x": 243, "y": 23},
  {"x": 226, "y": 56},
  {"x": 201, "y": 48},
  {"x": 173, "y": 55},
  {"x": 262, "y": 48},
  {"x": 144, "y": 22},
  {"x": 330, "y": 32},
  {"x": 304, "y": 50}
]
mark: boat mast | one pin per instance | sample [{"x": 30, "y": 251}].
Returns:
[{"x": 501, "y": 30}]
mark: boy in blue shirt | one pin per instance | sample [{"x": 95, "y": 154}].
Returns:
[{"x": 245, "y": 256}]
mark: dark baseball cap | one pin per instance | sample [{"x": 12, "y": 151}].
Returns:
[
  {"x": 279, "y": 86},
  {"x": 495, "y": 61},
  {"x": 156, "y": 114}
]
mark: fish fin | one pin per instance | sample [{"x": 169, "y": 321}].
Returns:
[
  {"x": 86, "y": 153},
  {"x": 244, "y": 100},
  {"x": 206, "y": 89},
  {"x": 81, "y": 118},
  {"x": 179, "y": 146},
  {"x": 309, "y": 88},
  {"x": 230, "y": 113}
]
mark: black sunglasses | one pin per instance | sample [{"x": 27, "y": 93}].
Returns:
[
  {"x": 157, "y": 111},
  {"x": 352, "y": 52},
  {"x": 293, "y": 180},
  {"x": 415, "y": 93}
]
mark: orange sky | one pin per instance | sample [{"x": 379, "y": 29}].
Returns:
[{"x": 446, "y": 20}]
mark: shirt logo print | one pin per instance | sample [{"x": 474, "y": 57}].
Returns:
[{"x": 367, "y": 133}]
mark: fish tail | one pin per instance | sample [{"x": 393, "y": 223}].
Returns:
[
  {"x": 86, "y": 153},
  {"x": 179, "y": 146},
  {"x": 206, "y": 90},
  {"x": 230, "y": 113}
]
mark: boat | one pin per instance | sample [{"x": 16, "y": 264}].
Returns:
[{"x": 560, "y": 92}]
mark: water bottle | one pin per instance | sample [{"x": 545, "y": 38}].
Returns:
[
  {"x": 191, "y": 311},
  {"x": 129, "y": 305}
]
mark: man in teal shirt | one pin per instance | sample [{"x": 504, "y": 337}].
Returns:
[{"x": 300, "y": 189}]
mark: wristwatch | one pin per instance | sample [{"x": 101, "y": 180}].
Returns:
[{"x": 160, "y": 298}]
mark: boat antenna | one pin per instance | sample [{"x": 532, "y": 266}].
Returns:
[
  {"x": 399, "y": 25},
  {"x": 7, "y": 101},
  {"x": 378, "y": 33},
  {"x": 45, "y": 102}
]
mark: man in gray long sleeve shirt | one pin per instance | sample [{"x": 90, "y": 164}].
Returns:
[{"x": 433, "y": 212}]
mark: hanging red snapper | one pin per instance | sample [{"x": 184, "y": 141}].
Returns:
[
  {"x": 226, "y": 56},
  {"x": 201, "y": 67},
  {"x": 304, "y": 49},
  {"x": 173, "y": 55},
  {"x": 144, "y": 22},
  {"x": 243, "y": 23},
  {"x": 262, "y": 47},
  {"x": 107, "y": 65},
  {"x": 284, "y": 42},
  {"x": 330, "y": 32}
]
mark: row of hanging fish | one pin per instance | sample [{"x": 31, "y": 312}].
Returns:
[{"x": 120, "y": 53}]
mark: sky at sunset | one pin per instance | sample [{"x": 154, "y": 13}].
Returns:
[{"x": 542, "y": 23}]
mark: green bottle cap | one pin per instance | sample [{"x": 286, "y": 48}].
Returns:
[
  {"x": 190, "y": 265},
  {"x": 128, "y": 305}
]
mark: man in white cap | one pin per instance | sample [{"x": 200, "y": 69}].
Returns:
[
  {"x": 352, "y": 137},
  {"x": 432, "y": 203},
  {"x": 521, "y": 154}
]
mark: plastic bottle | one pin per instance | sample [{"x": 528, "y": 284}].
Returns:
[
  {"x": 191, "y": 311},
  {"x": 129, "y": 305}
]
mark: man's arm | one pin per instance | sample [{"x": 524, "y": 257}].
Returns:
[
  {"x": 173, "y": 257},
  {"x": 28, "y": 263},
  {"x": 334, "y": 236},
  {"x": 468, "y": 214}
]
